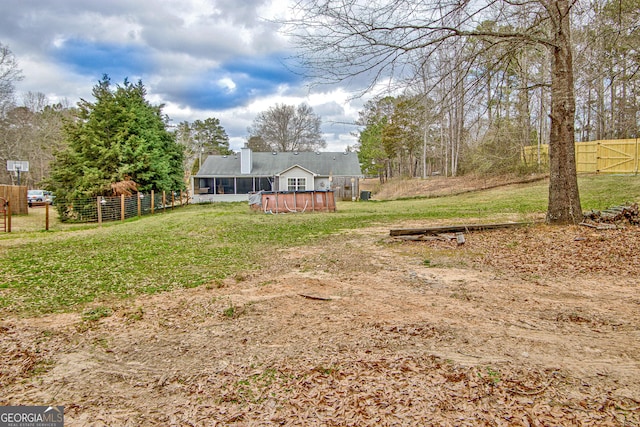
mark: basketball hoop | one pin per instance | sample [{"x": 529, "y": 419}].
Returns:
[{"x": 17, "y": 166}]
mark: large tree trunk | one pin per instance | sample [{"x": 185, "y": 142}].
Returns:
[{"x": 564, "y": 199}]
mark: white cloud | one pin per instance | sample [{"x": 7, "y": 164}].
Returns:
[
  {"x": 200, "y": 58},
  {"x": 227, "y": 83}
]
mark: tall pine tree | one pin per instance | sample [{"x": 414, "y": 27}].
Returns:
[{"x": 118, "y": 137}]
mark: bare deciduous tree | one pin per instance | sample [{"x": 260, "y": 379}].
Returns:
[
  {"x": 607, "y": 50},
  {"x": 376, "y": 41},
  {"x": 9, "y": 74},
  {"x": 256, "y": 143},
  {"x": 289, "y": 128},
  {"x": 32, "y": 133}
]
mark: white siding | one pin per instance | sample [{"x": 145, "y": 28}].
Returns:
[
  {"x": 322, "y": 184},
  {"x": 295, "y": 172}
]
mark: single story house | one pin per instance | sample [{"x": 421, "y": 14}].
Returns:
[{"x": 234, "y": 177}]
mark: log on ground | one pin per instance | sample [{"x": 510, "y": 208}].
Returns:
[{"x": 454, "y": 228}]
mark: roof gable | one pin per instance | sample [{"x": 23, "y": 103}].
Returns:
[{"x": 296, "y": 167}]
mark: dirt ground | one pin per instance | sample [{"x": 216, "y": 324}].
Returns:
[{"x": 528, "y": 326}]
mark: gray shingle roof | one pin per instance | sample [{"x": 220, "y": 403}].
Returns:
[{"x": 269, "y": 164}]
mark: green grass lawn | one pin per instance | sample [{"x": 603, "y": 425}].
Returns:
[{"x": 70, "y": 266}]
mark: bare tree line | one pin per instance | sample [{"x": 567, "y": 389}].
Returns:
[
  {"x": 607, "y": 49},
  {"x": 485, "y": 102},
  {"x": 498, "y": 75}
]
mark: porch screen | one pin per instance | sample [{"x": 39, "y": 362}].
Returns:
[
  {"x": 244, "y": 185},
  {"x": 263, "y": 184},
  {"x": 225, "y": 186}
]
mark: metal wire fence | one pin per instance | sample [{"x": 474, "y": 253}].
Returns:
[{"x": 119, "y": 208}]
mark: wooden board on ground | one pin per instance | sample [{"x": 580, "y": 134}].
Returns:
[{"x": 454, "y": 228}]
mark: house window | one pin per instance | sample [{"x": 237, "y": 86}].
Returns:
[{"x": 296, "y": 184}]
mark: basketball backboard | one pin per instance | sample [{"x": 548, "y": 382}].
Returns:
[{"x": 17, "y": 166}]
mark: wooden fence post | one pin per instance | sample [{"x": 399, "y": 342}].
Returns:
[
  {"x": 4, "y": 214},
  {"x": 8, "y": 216},
  {"x": 46, "y": 215},
  {"x": 164, "y": 201},
  {"x": 139, "y": 205},
  {"x": 122, "y": 216},
  {"x": 153, "y": 201},
  {"x": 99, "y": 208}
]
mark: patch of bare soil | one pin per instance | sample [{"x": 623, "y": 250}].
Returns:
[
  {"x": 436, "y": 186},
  {"x": 530, "y": 326}
]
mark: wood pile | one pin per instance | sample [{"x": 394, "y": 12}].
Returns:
[{"x": 615, "y": 216}]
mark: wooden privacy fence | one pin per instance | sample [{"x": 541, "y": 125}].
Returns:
[
  {"x": 119, "y": 208},
  {"x": 606, "y": 156},
  {"x": 16, "y": 195}
]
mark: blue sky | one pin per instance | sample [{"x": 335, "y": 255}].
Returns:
[{"x": 200, "y": 58}]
